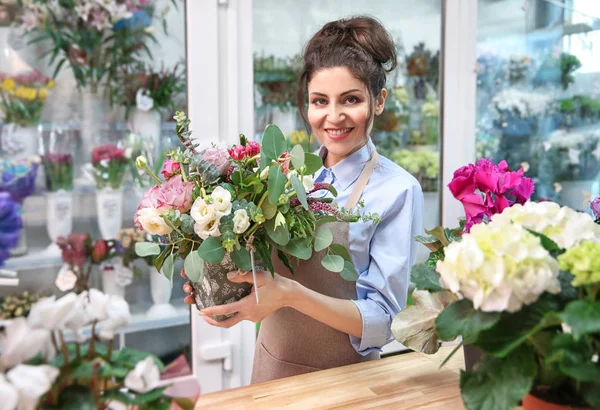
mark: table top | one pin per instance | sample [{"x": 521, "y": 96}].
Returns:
[{"x": 405, "y": 381}]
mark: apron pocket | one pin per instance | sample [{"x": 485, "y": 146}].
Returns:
[{"x": 267, "y": 367}]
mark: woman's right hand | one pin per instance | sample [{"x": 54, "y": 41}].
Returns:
[{"x": 187, "y": 288}]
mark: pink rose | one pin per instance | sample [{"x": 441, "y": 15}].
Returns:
[
  {"x": 170, "y": 168},
  {"x": 238, "y": 152},
  {"x": 252, "y": 148},
  {"x": 217, "y": 157}
]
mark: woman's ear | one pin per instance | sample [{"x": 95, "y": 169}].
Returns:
[{"x": 380, "y": 103}]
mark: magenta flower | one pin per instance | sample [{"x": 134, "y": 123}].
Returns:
[
  {"x": 240, "y": 152},
  {"x": 595, "y": 206},
  {"x": 170, "y": 168}
]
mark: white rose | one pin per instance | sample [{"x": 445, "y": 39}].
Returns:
[
  {"x": 143, "y": 101},
  {"x": 144, "y": 377},
  {"x": 52, "y": 314},
  {"x": 202, "y": 212},
  {"x": 221, "y": 201},
  {"x": 241, "y": 221},
  {"x": 118, "y": 315},
  {"x": 66, "y": 279},
  {"x": 32, "y": 382},
  {"x": 9, "y": 394},
  {"x": 21, "y": 343},
  {"x": 152, "y": 222}
]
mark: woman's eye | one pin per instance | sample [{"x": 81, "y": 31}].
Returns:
[
  {"x": 352, "y": 100},
  {"x": 319, "y": 101}
]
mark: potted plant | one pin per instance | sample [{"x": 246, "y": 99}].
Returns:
[{"x": 568, "y": 65}]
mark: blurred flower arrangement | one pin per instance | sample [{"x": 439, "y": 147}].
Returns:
[
  {"x": 14, "y": 306},
  {"x": 524, "y": 104},
  {"x": 11, "y": 224},
  {"x": 58, "y": 169},
  {"x": 94, "y": 37},
  {"x": 79, "y": 255},
  {"x": 142, "y": 88},
  {"x": 423, "y": 165},
  {"x": 574, "y": 155},
  {"x": 18, "y": 177},
  {"x": 423, "y": 66},
  {"x": 22, "y": 97},
  {"x": 275, "y": 80},
  {"x": 515, "y": 69},
  {"x": 522, "y": 286},
  {"x": 40, "y": 369},
  {"x": 109, "y": 163}
]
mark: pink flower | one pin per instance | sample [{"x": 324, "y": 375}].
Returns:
[
  {"x": 486, "y": 175},
  {"x": 285, "y": 165},
  {"x": 217, "y": 157},
  {"x": 252, "y": 149},
  {"x": 107, "y": 152},
  {"x": 238, "y": 152},
  {"x": 523, "y": 191},
  {"x": 462, "y": 183},
  {"x": 595, "y": 207},
  {"x": 170, "y": 168},
  {"x": 172, "y": 195}
]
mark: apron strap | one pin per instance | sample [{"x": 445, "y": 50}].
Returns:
[{"x": 361, "y": 183}]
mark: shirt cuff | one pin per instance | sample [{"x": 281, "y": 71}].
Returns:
[{"x": 376, "y": 331}]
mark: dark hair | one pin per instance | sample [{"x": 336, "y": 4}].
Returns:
[{"x": 361, "y": 44}]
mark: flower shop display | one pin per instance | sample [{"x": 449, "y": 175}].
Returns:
[
  {"x": 516, "y": 68},
  {"x": 14, "y": 306},
  {"x": 218, "y": 209},
  {"x": 18, "y": 179},
  {"x": 430, "y": 122},
  {"x": 423, "y": 69},
  {"x": 423, "y": 165},
  {"x": 22, "y": 98},
  {"x": 521, "y": 286},
  {"x": 108, "y": 167},
  {"x": 11, "y": 225},
  {"x": 66, "y": 347}
]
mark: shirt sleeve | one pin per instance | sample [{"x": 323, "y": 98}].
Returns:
[{"x": 382, "y": 289}]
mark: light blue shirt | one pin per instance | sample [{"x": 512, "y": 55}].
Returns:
[{"x": 382, "y": 253}]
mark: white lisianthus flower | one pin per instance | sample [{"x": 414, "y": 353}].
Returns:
[
  {"x": 9, "y": 394},
  {"x": 32, "y": 382},
  {"x": 152, "y": 222},
  {"x": 143, "y": 101},
  {"x": 203, "y": 212},
  {"x": 563, "y": 225},
  {"x": 241, "y": 221},
  {"x": 307, "y": 180},
  {"x": 21, "y": 343},
  {"x": 500, "y": 267},
  {"x": 221, "y": 201},
  {"x": 207, "y": 228},
  {"x": 144, "y": 377}
]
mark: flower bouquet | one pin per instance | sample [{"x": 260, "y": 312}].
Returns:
[
  {"x": 61, "y": 357},
  {"x": 521, "y": 285},
  {"x": 220, "y": 208}
]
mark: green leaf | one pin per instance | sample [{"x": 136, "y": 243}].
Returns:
[
  {"x": 297, "y": 156},
  {"x": 300, "y": 191},
  {"x": 276, "y": 184},
  {"x": 312, "y": 163},
  {"x": 269, "y": 210},
  {"x": 499, "y": 384},
  {"x": 323, "y": 239},
  {"x": 149, "y": 397},
  {"x": 349, "y": 272},
  {"x": 583, "y": 316},
  {"x": 241, "y": 258},
  {"x": 144, "y": 249},
  {"x": 431, "y": 261},
  {"x": 431, "y": 242},
  {"x": 194, "y": 266},
  {"x": 281, "y": 235},
  {"x": 574, "y": 358},
  {"x": 285, "y": 260},
  {"x": 341, "y": 250},
  {"x": 299, "y": 248},
  {"x": 212, "y": 250},
  {"x": 333, "y": 263},
  {"x": 591, "y": 394},
  {"x": 76, "y": 398},
  {"x": 425, "y": 278},
  {"x": 130, "y": 357},
  {"x": 326, "y": 219},
  {"x": 568, "y": 292},
  {"x": 160, "y": 259},
  {"x": 83, "y": 370},
  {"x": 547, "y": 243},
  {"x": 168, "y": 267},
  {"x": 273, "y": 143},
  {"x": 513, "y": 329},
  {"x": 439, "y": 233},
  {"x": 461, "y": 319}
]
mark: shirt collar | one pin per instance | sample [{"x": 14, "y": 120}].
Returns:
[{"x": 348, "y": 170}]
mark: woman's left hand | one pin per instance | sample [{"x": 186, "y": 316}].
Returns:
[{"x": 274, "y": 293}]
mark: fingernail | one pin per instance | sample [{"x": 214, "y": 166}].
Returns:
[{"x": 231, "y": 275}]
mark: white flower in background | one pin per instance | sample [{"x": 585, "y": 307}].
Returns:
[
  {"x": 565, "y": 139},
  {"x": 52, "y": 314},
  {"x": 307, "y": 180},
  {"x": 21, "y": 343},
  {"x": 151, "y": 220},
  {"x": 241, "y": 221},
  {"x": 144, "y": 377},
  {"x": 32, "y": 382},
  {"x": 143, "y": 101},
  {"x": 66, "y": 279},
  {"x": 563, "y": 225},
  {"x": 264, "y": 173},
  {"x": 574, "y": 154},
  {"x": 118, "y": 11},
  {"x": 500, "y": 267},
  {"x": 221, "y": 201},
  {"x": 94, "y": 303},
  {"x": 524, "y": 103},
  {"x": 9, "y": 394},
  {"x": 117, "y": 316},
  {"x": 83, "y": 10},
  {"x": 79, "y": 318}
]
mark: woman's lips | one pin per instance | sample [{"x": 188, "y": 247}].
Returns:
[{"x": 338, "y": 134}]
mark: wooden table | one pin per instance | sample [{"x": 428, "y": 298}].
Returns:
[{"x": 406, "y": 381}]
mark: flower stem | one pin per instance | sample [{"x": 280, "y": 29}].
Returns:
[
  {"x": 263, "y": 199},
  {"x": 63, "y": 348},
  {"x": 92, "y": 345}
]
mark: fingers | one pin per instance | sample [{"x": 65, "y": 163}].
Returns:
[
  {"x": 240, "y": 276},
  {"x": 227, "y": 323},
  {"x": 227, "y": 309},
  {"x": 187, "y": 287},
  {"x": 182, "y": 273},
  {"x": 189, "y": 300}
]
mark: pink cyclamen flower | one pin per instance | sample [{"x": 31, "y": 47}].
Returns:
[
  {"x": 172, "y": 195},
  {"x": 170, "y": 169},
  {"x": 219, "y": 158},
  {"x": 462, "y": 183}
]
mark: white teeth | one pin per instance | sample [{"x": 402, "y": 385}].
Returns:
[{"x": 338, "y": 132}]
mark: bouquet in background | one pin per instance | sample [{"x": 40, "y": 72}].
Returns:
[
  {"x": 423, "y": 165},
  {"x": 18, "y": 177},
  {"x": 58, "y": 169},
  {"x": 10, "y": 225},
  {"x": 14, "y": 306},
  {"x": 22, "y": 97},
  {"x": 109, "y": 163}
]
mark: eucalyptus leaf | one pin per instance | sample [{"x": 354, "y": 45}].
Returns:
[
  {"x": 326, "y": 219},
  {"x": 144, "y": 249},
  {"x": 439, "y": 233},
  {"x": 341, "y": 250},
  {"x": 269, "y": 210},
  {"x": 299, "y": 248},
  {"x": 297, "y": 156},
  {"x": 273, "y": 143},
  {"x": 312, "y": 163},
  {"x": 300, "y": 191},
  {"x": 276, "y": 184},
  {"x": 425, "y": 278},
  {"x": 212, "y": 250},
  {"x": 281, "y": 235},
  {"x": 349, "y": 272},
  {"x": 333, "y": 263},
  {"x": 323, "y": 239},
  {"x": 194, "y": 266},
  {"x": 168, "y": 267},
  {"x": 241, "y": 258}
]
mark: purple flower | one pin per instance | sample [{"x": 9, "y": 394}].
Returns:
[
  {"x": 10, "y": 225},
  {"x": 18, "y": 179},
  {"x": 595, "y": 206}
]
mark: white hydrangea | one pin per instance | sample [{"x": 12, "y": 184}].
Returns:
[
  {"x": 500, "y": 267},
  {"x": 563, "y": 225},
  {"x": 524, "y": 103}
]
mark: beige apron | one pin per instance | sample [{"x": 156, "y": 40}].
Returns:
[{"x": 289, "y": 342}]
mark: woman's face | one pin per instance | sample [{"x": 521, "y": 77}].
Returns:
[{"x": 338, "y": 111}]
